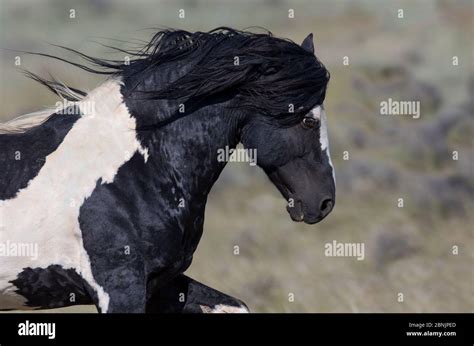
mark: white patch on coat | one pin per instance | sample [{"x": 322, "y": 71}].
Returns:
[
  {"x": 225, "y": 309},
  {"x": 319, "y": 113},
  {"x": 46, "y": 211}
]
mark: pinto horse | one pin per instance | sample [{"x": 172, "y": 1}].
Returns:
[{"x": 111, "y": 188}]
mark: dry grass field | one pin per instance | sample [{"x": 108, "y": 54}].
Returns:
[{"x": 408, "y": 250}]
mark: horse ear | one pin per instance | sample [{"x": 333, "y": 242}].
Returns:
[{"x": 308, "y": 43}]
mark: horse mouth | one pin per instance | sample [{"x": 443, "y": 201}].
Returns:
[{"x": 295, "y": 209}]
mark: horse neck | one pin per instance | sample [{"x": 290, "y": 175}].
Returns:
[{"x": 185, "y": 152}]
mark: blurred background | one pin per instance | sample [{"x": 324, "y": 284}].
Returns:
[{"x": 378, "y": 159}]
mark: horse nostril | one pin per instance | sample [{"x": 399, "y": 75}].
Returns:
[{"x": 326, "y": 206}]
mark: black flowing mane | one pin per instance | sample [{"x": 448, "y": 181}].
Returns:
[{"x": 271, "y": 73}]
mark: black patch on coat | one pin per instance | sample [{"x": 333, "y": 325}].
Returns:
[
  {"x": 32, "y": 146},
  {"x": 51, "y": 287},
  {"x": 109, "y": 221}
]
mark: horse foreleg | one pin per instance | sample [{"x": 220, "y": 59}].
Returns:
[
  {"x": 185, "y": 295},
  {"x": 125, "y": 291}
]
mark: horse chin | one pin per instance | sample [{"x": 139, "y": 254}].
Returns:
[
  {"x": 312, "y": 220},
  {"x": 297, "y": 214}
]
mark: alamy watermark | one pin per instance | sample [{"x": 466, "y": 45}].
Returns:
[
  {"x": 336, "y": 249},
  {"x": 14, "y": 249},
  {"x": 393, "y": 107},
  {"x": 66, "y": 107},
  {"x": 28, "y": 328},
  {"x": 228, "y": 154}
]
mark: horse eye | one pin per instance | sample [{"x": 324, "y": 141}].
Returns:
[{"x": 310, "y": 122}]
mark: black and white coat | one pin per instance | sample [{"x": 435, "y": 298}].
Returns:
[
  {"x": 117, "y": 214},
  {"x": 83, "y": 197}
]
